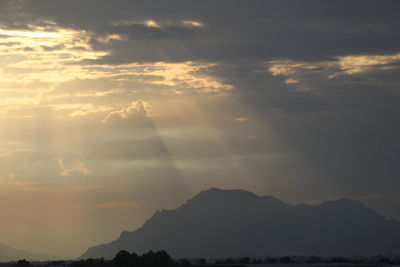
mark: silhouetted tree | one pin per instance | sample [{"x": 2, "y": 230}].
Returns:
[
  {"x": 244, "y": 260},
  {"x": 256, "y": 261},
  {"x": 230, "y": 261},
  {"x": 185, "y": 263},
  {"x": 123, "y": 258},
  {"x": 23, "y": 263},
  {"x": 270, "y": 260},
  {"x": 90, "y": 263}
]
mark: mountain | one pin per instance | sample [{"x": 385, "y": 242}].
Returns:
[
  {"x": 221, "y": 223},
  {"x": 12, "y": 254},
  {"x": 8, "y": 254}
]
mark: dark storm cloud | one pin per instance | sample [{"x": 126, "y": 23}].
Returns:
[
  {"x": 356, "y": 150},
  {"x": 233, "y": 29},
  {"x": 346, "y": 127}
]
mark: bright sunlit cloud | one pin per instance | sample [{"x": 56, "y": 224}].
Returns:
[
  {"x": 297, "y": 71},
  {"x": 34, "y": 62},
  {"x": 192, "y": 23},
  {"x": 148, "y": 23}
]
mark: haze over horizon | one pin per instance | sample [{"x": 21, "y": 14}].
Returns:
[{"x": 112, "y": 110}]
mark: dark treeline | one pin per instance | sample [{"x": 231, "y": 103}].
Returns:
[
  {"x": 126, "y": 259},
  {"x": 162, "y": 259},
  {"x": 121, "y": 259},
  {"x": 295, "y": 259}
]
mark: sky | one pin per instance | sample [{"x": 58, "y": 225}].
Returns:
[{"x": 112, "y": 110}]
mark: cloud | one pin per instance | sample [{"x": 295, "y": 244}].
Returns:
[
  {"x": 138, "y": 110},
  {"x": 47, "y": 78},
  {"x": 173, "y": 97},
  {"x": 192, "y": 23},
  {"x": 108, "y": 38},
  {"x": 77, "y": 168},
  {"x": 155, "y": 24},
  {"x": 148, "y": 23},
  {"x": 332, "y": 63},
  {"x": 267, "y": 31},
  {"x": 343, "y": 65},
  {"x": 367, "y": 63},
  {"x": 11, "y": 180},
  {"x": 242, "y": 119}
]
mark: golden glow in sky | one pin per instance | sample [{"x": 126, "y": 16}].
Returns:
[
  {"x": 111, "y": 110},
  {"x": 59, "y": 107},
  {"x": 33, "y": 63}
]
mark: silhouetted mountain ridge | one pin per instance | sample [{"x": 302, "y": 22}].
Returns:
[
  {"x": 220, "y": 223},
  {"x": 8, "y": 253}
]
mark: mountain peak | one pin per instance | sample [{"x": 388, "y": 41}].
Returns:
[
  {"x": 215, "y": 196},
  {"x": 218, "y": 192}
]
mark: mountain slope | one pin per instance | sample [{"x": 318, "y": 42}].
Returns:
[
  {"x": 217, "y": 223},
  {"x": 11, "y": 254}
]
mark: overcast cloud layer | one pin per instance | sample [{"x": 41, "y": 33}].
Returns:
[{"x": 111, "y": 110}]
